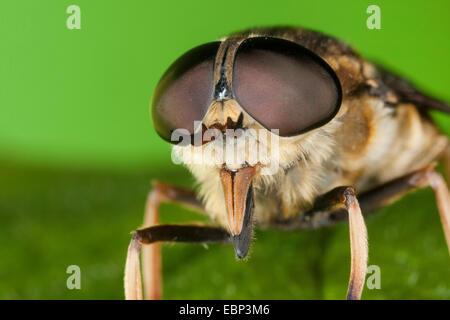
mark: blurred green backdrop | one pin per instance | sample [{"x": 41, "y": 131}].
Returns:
[{"x": 78, "y": 150}]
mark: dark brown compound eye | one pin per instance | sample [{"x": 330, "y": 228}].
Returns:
[
  {"x": 185, "y": 92},
  {"x": 285, "y": 86}
]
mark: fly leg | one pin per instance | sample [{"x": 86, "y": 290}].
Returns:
[
  {"x": 325, "y": 212},
  {"x": 344, "y": 199},
  {"x": 446, "y": 161},
  {"x": 336, "y": 205},
  {"x": 151, "y": 255},
  {"x": 163, "y": 233},
  {"x": 427, "y": 177}
]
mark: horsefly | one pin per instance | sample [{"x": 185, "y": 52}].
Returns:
[{"x": 286, "y": 128}]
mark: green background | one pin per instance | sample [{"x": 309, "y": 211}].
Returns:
[{"x": 78, "y": 151}]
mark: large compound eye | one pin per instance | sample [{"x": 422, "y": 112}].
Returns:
[
  {"x": 185, "y": 91},
  {"x": 284, "y": 85}
]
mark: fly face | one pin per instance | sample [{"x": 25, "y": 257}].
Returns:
[{"x": 237, "y": 98}]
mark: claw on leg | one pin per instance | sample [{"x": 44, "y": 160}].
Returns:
[
  {"x": 358, "y": 247},
  {"x": 133, "y": 285}
]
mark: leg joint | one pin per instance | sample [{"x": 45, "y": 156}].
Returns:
[{"x": 348, "y": 196}]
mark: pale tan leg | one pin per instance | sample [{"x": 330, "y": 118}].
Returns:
[
  {"x": 133, "y": 285},
  {"x": 443, "y": 196},
  {"x": 432, "y": 178},
  {"x": 426, "y": 177},
  {"x": 336, "y": 205},
  {"x": 151, "y": 254},
  {"x": 358, "y": 246},
  {"x": 194, "y": 233},
  {"x": 324, "y": 214}
]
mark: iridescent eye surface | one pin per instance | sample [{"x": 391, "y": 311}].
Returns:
[
  {"x": 185, "y": 91},
  {"x": 285, "y": 86}
]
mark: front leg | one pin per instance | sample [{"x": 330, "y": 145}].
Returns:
[
  {"x": 151, "y": 254},
  {"x": 163, "y": 233},
  {"x": 343, "y": 199},
  {"x": 326, "y": 210},
  {"x": 329, "y": 208}
]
